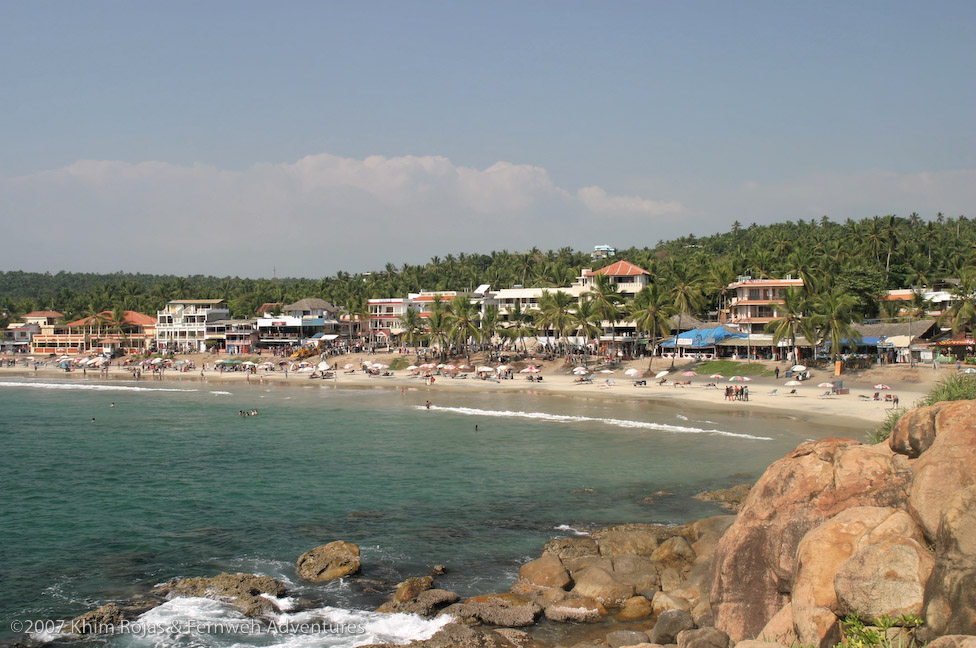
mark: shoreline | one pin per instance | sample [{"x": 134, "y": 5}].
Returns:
[{"x": 767, "y": 395}]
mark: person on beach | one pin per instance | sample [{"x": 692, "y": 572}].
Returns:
[{"x": 428, "y": 405}]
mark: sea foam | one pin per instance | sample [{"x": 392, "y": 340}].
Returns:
[
  {"x": 624, "y": 423},
  {"x": 90, "y": 387}
]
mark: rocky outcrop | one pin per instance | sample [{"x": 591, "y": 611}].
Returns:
[
  {"x": 948, "y": 464},
  {"x": 101, "y": 621},
  {"x": 243, "y": 591},
  {"x": 756, "y": 557},
  {"x": 577, "y": 610},
  {"x": 504, "y": 609},
  {"x": 950, "y": 595},
  {"x": 730, "y": 499},
  {"x": 417, "y": 596},
  {"x": 669, "y": 624},
  {"x": 329, "y": 561}
]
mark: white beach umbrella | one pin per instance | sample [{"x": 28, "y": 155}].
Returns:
[
  {"x": 348, "y": 365},
  {"x": 967, "y": 370},
  {"x": 501, "y": 368},
  {"x": 793, "y": 383},
  {"x": 881, "y": 386},
  {"x": 661, "y": 374},
  {"x": 826, "y": 385},
  {"x": 380, "y": 365},
  {"x": 485, "y": 369},
  {"x": 716, "y": 376},
  {"x": 798, "y": 368},
  {"x": 606, "y": 371},
  {"x": 411, "y": 367},
  {"x": 580, "y": 370}
]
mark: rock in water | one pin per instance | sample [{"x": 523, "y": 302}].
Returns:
[
  {"x": 244, "y": 591},
  {"x": 329, "y": 561}
]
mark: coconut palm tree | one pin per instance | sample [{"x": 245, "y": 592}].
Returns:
[
  {"x": 832, "y": 315},
  {"x": 606, "y": 298},
  {"x": 462, "y": 322},
  {"x": 651, "y": 309},
  {"x": 554, "y": 313},
  {"x": 413, "y": 327},
  {"x": 584, "y": 320},
  {"x": 489, "y": 323},
  {"x": 519, "y": 325},
  {"x": 686, "y": 294},
  {"x": 961, "y": 314},
  {"x": 792, "y": 320}
]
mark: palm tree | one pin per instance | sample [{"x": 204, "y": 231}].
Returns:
[
  {"x": 584, "y": 320},
  {"x": 413, "y": 327},
  {"x": 605, "y": 295},
  {"x": 118, "y": 323},
  {"x": 832, "y": 315},
  {"x": 961, "y": 315},
  {"x": 462, "y": 321},
  {"x": 793, "y": 320},
  {"x": 519, "y": 325},
  {"x": 439, "y": 324},
  {"x": 489, "y": 323},
  {"x": 687, "y": 295},
  {"x": 651, "y": 309},
  {"x": 554, "y": 313}
]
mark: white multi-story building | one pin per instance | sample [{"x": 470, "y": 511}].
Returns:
[
  {"x": 754, "y": 303},
  {"x": 182, "y": 325}
]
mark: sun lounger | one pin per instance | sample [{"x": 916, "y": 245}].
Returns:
[
  {"x": 826, "y": 394},
  {"x": 774, "y": 392}
]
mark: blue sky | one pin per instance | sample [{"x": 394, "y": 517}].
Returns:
[{"x": 232, "y": 137}]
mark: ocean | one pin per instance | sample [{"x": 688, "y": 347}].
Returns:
[{"x": 172, "y": 482}]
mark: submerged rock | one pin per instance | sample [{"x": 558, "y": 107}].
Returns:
[{"x": 243, "y": 591}]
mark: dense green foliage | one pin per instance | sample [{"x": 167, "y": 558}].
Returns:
[{"x": 859, "y": 259}]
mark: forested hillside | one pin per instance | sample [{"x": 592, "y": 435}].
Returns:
[{"x": 861, "y": 258}]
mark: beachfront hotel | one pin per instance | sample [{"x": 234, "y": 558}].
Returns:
[
  {"x": 182, "y": 325},
  {"x": 754, "y": 302},
  {"x": 99, "y": 333}
]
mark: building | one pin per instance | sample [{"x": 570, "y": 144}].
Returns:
[
  {"x": 99, "y": 333},
  {"x": 754, "y": 301},
  {"x": 304, "y": 322},
  {"x": 182, "y": 324},
  {"x": 232, "y": 335},
  {"x": 602, "y": 252},
  {"x": 17, "y": 337}
]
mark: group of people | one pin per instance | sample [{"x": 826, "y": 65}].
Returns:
[
  {"x": 252, "y": 412},
  {"x": 737, "y": 393}
]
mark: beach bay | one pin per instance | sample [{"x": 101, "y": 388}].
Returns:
[{"x": 173, "y": 482}]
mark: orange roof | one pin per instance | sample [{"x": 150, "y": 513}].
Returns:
[
  {"x": 130, "y": 317},
  {"x": 44, "y": 314},
  {"x": 620, "y": 269}
]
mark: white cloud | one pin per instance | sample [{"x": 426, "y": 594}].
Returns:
[{"x": 309, "y": 218}]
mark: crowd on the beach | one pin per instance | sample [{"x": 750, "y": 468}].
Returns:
[{"x": 737, "y": 393}]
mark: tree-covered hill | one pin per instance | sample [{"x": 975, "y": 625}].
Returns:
[{"x": 861, "y": 258}]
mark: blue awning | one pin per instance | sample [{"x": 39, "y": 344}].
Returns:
[{"x": 701, "y": 338}]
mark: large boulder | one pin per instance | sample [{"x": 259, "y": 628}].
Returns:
[
  {"x": 669, "y": 624},
  {"x": 675, "y": 552},
  {"x": 950, "y": 596},
  {"x": 954, "y": 641},
  {"x": 756, "y": 557},
  {"x": 946, "y": 466},
  {"x": 638, "y": 571},
  {"x": 570, "y": 548},
  {"x": 244, "y": 591},
  {"x": 597, "y": 583},
  {"x": 637, "y": 539},
  {"x": 547, "y": 571},
  {"x": 329, "y": 561},
  {"x": 914, "y": 432},
  {"x": 703, "y": 638}
]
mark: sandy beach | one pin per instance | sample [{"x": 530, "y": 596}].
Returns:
[{"x": 765, "y": 393}]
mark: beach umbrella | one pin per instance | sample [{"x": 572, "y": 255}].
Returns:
[
  {"x": 531, "y": 369},
  {"x": 798, "y": 368},
  {"x": 661, "y": 374},
  {"x": 501, "y": 368},
  {"x": 323, "y": 365},
  {"x": 826, "y": 385},
  {"x": 793, "y": 383},
  {"x": 740, "y": 379},
  {"x": 881, "y": 386},
  {"x": 428, "y": 365},
  {"x": 606, "y": 371},
  {"x": 463, "y": 367},
  {"x": 716, "y": 376},
  {"x": 689, "y": 374},
  {"x": 156, "y": 360},
  {"x": 411, "y": 367},
  {"x": 380, "y": 365},
  {"x": 450, "y": 367},
  {"x": 441, "y": 365},
  {"x": 634, "y": 372},
  {"x": 968, "y": 370},
  {"x": 348, "y": 365},
  {"x": 484, "y": 369}
]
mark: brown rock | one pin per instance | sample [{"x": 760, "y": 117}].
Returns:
[
  {"x": 728, "y": 498},
  {"x": 756, "y": 557},
  {"x": 104, "y": 620},
  {"x": 636, "y": 607},
  {"x": 946, "y": 466},
  {"x": 411, "y": 588},
  {"x": 780, "y": 628},
  {"x": 669, "y": 624},
  {"x": 569, "y": 548},
  {"x": 953, "y": 641},
  {"x": 638, "y": 571},
  {"x": 601, "y": 585},
  {"x": 950, "y": 594},
  {"x": 640, "y": 540},
  {"x": 329, "y": 561},
  {"x": 676, "y": 551},
  {"x": 547, "y": 571},
  {"x": 628, "y": 638},
  {"x": 915, "y": 431},
  {"x": 703, "y": 638},
  {"x": 579, "y": 610},
  {"x": 244, "y": 591},
  {"x": 504, "y": 609},
  {"x": 663, "y": 602},
  {"x": 707, "y": 533}
]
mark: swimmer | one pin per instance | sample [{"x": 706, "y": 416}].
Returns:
[
  {"x": 112, "y": 405},
  {"x": 476, "y": 428},
  {"x": 93, "y": 419},
  {"x": 428, "y": 406}
]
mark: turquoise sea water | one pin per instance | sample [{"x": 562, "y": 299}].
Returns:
[{"x": 172, "y": 482}]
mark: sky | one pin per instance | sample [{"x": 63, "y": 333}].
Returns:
[{"x": 241, "y": 138}]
